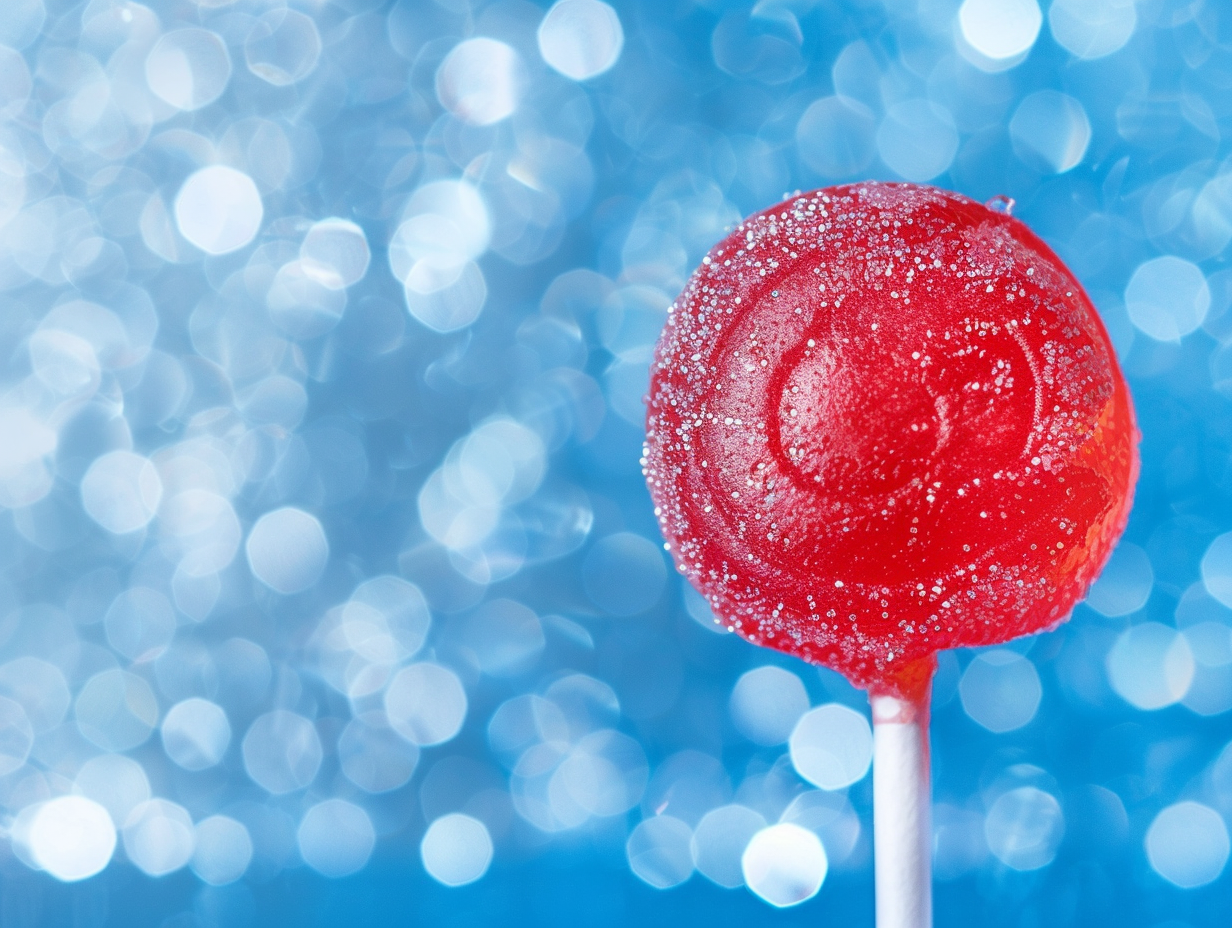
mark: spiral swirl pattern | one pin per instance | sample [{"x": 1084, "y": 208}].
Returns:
[{"x": 886, "y": 420}]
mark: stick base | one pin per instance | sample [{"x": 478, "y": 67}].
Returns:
[{"x": 902, "y": 823}]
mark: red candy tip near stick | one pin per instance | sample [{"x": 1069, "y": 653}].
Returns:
[{"x": 885, "y": 420}]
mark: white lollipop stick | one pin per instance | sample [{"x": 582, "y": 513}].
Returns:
[{"x": 902, "y": 823}]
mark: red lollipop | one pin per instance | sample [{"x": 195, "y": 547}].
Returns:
[{"x": 885, "y": 420}]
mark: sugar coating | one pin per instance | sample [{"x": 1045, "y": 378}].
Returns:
[{"x": 885, "y": 420}]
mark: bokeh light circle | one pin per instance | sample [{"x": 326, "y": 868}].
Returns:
[
  {"x": 121, "y": 491},
  {"x": 336, "y": 838},
  {"x": 1167, "y": 298},
  {"x": 659, "y": 851},
  {"x": 832, "y": 746},
  {"x": 222, "y": 850},
  {"x": 1000, "y": 690},
  {"x": 1187, "y": 844},
  {"x": 581, "y": 38},
  {"x": 1024, "y": 828},
  {"x": 219, "y": 209},
  {"x": 456, "y": 849},
  {"x": 480, "y": 81},
  {"x": 1091, "y": 29},
  {"x": 785, "y": 864},
  {"x": 72, "y": 838},
  {"x": 287, "y": 550},
  {"x": 188, "y": 68},
  {"x": 1000, "y": 32}
]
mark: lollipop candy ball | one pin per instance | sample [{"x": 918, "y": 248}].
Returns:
[{"x": 885, "y": 420}]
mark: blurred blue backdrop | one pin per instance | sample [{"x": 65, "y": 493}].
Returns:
[{"x": 331, "y": 591}]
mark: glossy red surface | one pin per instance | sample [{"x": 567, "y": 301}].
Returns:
[{"x": 885, "y": 420}]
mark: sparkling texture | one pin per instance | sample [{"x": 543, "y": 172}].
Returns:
[{"x": 886, "y": 420}]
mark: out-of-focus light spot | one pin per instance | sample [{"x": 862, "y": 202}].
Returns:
[
  {"x": 64, "y": 362},
  {"x": 196, "y": 733},
  {"x": 785, "y": 864},
  {"x": 276, "y": 400},
  {"x": 12, "y": 169},
  {"x": 856, "y": 73},
  {"x": 581, "y": 38},
  {"x": 1150, "y": 666},
  {"x": 158, "y": 837},
  {"x": 759, "y": 44},
  {"x": 917, "y": 140},
  {"x": 373, "y": 756},
  {"x": 16, "y": 736},
  {"x": 700, "y": 612},
  {"x": 219, "y": 209},
  {"x": 15, "y": 86},
  {"x": 542, "y": 794},
  {"x": 386, "y": 619},
  {"x": 499, "y": 463},
  {"x": 1211, "y": 216},
  {"x": 1050, "y": 131},
  {"x": 140, "y": 624},
  {"x": 831, "y": 817},
  {"x": 1210, "y": 693},
  {"x": 1217, "y": 569},
  {"x": 605, "y": 774},
  {"x": 456, "y": 849},
  {"x": 1092, "y": 28},
  {"x": 71, "y": 837},
  {"x": 446, "y": 306},
  {"x": 504, "y": 638},
  {"x": 21, "y": 22},
  {"x": 200, "y": 528},
  {"x": 1187, "y": 844},
  {"x": 998, "y": 32},
  {"x": 195, "y": 595},
  {"x": 336, "y": 838},
  {"x": 445, "y": 227},
  {"x": 836, "y": 136},
  {"x": 121, "y": 491},
  {"x": 1000, "y": 690},
  {"x": 480, "y": 81},
  {"x": 1167, "y": 298},
  {"x": 287, "y": 550},
  {"x": 244, "y": 672},
  {"x": 282, "y": 751},
  {"x": 719, "y": 841},
  {"x": 959, "y": 847},
  {"x": 115, "y": 782},
  {"x": 623, "y": 574},
  {"x": 659, "y": 851},
  {"x": 686, "y": 786},
  {"x": 188, "y": 68},
  {"x": 301, "y": 304},
  {"x": 25, "y": 477},
  {"x": 335, "y": 253},
  {"x": 1024, "y": 827},
  {"x": 282, "y": 47},
  {"x": 626, "y": 381},
  {"x": 832, "y": 746},
  {"x": 222, "y": 850},
  {"x": 426, "y": 704},
  {"x": 39, "y": 687},
  {"x": 523, "y": 721},
  {"x": 116, "y": 710},
  {"x": 1125, "y": 584},
  {"x": 766, "y": 703}
]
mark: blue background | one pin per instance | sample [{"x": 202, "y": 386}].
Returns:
[{"x": 709, "y": 113}]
